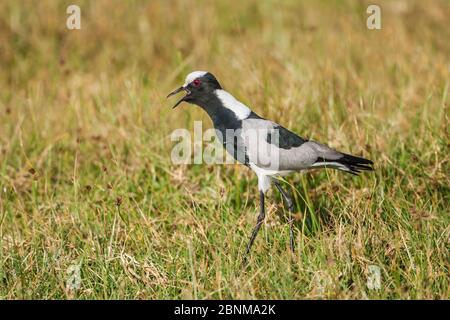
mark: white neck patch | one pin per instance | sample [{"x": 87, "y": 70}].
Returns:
[
  {"x": 239, "y": 109},
  {"x": 193, "y": 75}
]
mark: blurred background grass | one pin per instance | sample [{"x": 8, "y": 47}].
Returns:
[{"x": 85, "y": 170}]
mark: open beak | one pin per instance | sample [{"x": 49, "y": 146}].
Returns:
[{"x": 175, "y": 92}]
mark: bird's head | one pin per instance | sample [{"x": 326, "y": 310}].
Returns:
[{"x": 199, "y": 86}]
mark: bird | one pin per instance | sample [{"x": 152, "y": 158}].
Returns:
[{"x": 267, "y": 148}]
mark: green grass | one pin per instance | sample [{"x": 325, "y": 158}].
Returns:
[{"x": 85, "y": 171}]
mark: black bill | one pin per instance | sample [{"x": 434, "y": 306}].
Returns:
[{"x": 175, "y": 92}]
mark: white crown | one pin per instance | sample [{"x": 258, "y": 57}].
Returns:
[{"x": 194, "y": 75}]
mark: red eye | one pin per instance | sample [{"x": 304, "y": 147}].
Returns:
[{"x": 196, "y": 82}]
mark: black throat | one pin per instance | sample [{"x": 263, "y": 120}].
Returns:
[{"x": 222, "y": 117}]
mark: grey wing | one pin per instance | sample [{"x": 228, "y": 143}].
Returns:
[
  {"x": 273, "y": 147},
  {"x": 308, "y": 155}
]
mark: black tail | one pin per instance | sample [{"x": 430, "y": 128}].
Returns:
[{"x": 355, "y": 164}]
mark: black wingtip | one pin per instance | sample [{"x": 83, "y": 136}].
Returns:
[
  {"x": 348, "y": 158},
  {"x": 356, "y": 164}
]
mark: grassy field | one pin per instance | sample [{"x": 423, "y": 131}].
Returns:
[{"x": 91, "y": 206}]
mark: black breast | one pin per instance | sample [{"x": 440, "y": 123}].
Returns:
[{"x": 228, "y": 127}]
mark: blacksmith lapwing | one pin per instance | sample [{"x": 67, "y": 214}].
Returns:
[{"x": 264, "y": 146}]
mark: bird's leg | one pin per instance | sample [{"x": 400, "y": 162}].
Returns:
[
  {"x": 290, "y": 206},
  {"x": 259, "y": 221}
]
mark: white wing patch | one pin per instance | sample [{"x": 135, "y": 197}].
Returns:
[
  {"x": 335, "y": 165},
  {"x": 239, "y": 109}
]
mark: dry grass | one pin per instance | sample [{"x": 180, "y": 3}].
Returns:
[{"x": 85, "y": 170}]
